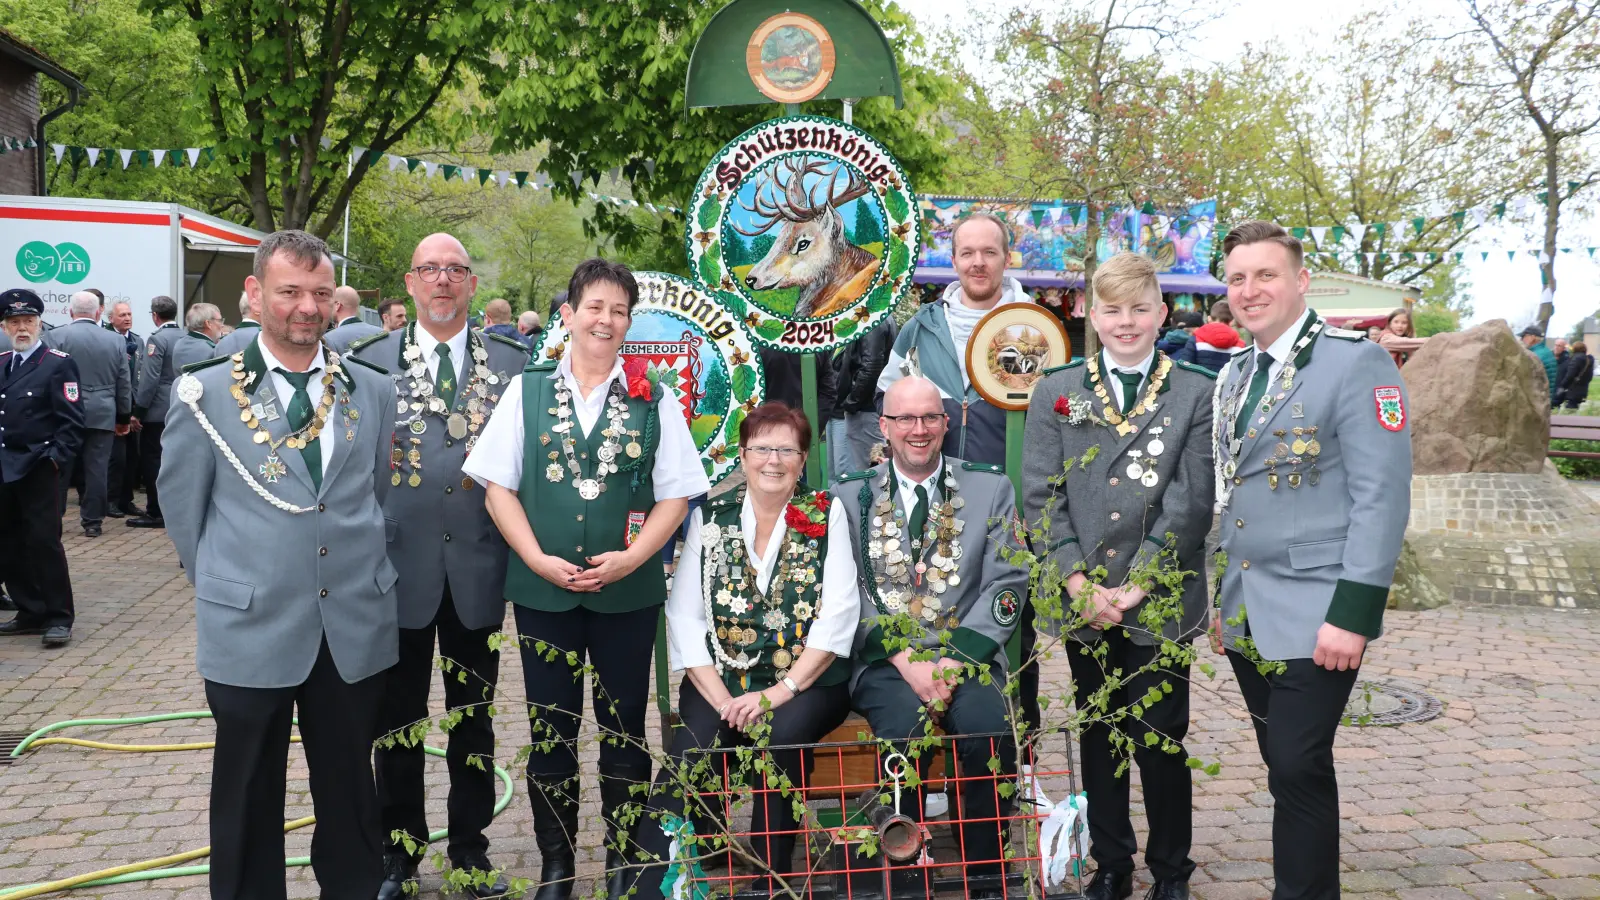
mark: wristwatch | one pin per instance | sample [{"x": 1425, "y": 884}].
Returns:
[{"x": 789, "y": 683}]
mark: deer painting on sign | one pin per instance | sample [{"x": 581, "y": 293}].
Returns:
[{"x": 811, "y": 251}]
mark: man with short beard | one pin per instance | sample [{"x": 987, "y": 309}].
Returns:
[
  {"x": 124, "y": 470},
  {"x": 451, "y": 558},
  {"x": 277, "y": 464},
  {"x": 392, "y": 313},
  {"x": 41, "y": 430}
]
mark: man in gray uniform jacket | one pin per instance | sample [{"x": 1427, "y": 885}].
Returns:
[
  {"x": 245, "y": 332},
  {"x": 928, "y": 532},
  {"x": 1313, "y": 453},
  {"x": 450, "y": 555},
  {"x": 199, "y": 343},
  {"x": 1117, "y": 473},
  {"x": 151, "y": 400},
  {"x": 107, "y": 390},
  {"x": 278, "y": 521},
  {"x": 349, "y": 328}
]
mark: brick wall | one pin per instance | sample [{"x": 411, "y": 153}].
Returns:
[{"x": 19, "y": 113}]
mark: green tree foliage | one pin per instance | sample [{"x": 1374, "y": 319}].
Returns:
[
  {"x": 286, "y": 90},
  {"x": 536, "y": 242},
  {"x": 867, "y": 229},
  {"x": 603, "y": 84}
]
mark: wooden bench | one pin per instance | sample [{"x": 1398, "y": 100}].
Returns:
[{"x": 1575, "y": 428}]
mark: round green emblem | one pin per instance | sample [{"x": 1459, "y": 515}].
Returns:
[
  {"x": 1006, "y": 607},
  {"x": 37, "y": 262}
]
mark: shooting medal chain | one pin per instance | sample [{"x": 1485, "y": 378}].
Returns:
[
  {"x": 616, "y": 415},
  {"x": 424, "y": 402},
  {"x": 903, "y": 581},
  {"x": 1124, "y": 425},
  {"x": 1225, "y": 415},
  {"x": 274, "y": 467},
  {"x": 727, "y": 563}
]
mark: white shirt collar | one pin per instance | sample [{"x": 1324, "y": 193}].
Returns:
[
  {"x": 765, "y": 556},
  {"x": 429, "y": 345},
  {"x": 25, "y": 355},
  {"x": 564, "y": 370},
  {"x": 908, "y": 488},
  {"x": 1280, "y": 347},
  {"x": 272, "y": 363},
  {"x": 1143, "y": 366}
]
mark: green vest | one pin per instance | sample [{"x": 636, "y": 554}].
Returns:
[
  {"x": 804, "y": 583},
  {"x": 572, "y": 528}
]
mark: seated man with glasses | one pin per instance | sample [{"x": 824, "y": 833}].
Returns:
[{"x": 941, "y": 600}]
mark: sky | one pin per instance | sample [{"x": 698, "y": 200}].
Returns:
[{"x": 1500, "y": 288}]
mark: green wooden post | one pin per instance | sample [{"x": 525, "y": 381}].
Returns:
[
  {"x": 1015, "y": 419},
  {"x": 808, "y": 391}
]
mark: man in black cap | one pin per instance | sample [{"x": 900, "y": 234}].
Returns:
[
  {"x": 41, "y": 431},
  {"x": 1533, "y": 339}
]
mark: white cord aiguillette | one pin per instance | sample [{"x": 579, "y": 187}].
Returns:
[{"x": 190, "y": 391}]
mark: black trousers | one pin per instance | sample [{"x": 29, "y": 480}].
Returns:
[
  {"x": 773, "y": 828},
  {"x": 124, "y": 470},
  {"x": 618, "y": 647},
  {"x": 1168, "y": 790},
  {"x": 150, "y": 464},
  {"x": 30, "y": 531},
  {"x": 249, "y": 765},
  {"x": 898, "y": 716},
  {"x": 1296, "y": 716},
  {"x": 90, "y": 475},
  {"x": 405, "y": 702},
  {"x": 1028, "y": 673}
]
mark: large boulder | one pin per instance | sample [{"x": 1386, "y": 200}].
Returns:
[{"x": 1479, "y": 403}]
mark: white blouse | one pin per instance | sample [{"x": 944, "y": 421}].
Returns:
[
  {"x": 497, "y": 457},
  {"x": 833, "y": 629}
]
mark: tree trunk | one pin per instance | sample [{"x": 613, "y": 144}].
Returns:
[
  {"x": 1552, "y": 221},
  {"x": 1091, "y": 261}
]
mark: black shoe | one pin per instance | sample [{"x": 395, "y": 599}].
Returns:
[
  {"x": 146, "y": 522},
  {"x": 1108, "y": 885},
  {"x": 555, "y": 827},
  {"x": 125, "y": 509},
  {"x": 6, "y": 605},
  {"x": 91, "y": 531},
  {"x": 1168, "y": 890},
  {"x": 497, "y": 885},
  {"x": 114, "y": 513},
  {"x": 57, "y": 635},
  {"x": 398, "y": 870},
  {"x": 17, "y": 626}
]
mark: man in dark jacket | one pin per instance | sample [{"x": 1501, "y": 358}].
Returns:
[
  {"x": 1533, "y": 338},
  {"x": 1574, "y": 377},
  {"x": 853, "y": 429}
]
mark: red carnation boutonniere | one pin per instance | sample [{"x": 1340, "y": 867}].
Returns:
[
  {"x": 633, "y": 369},
  {"x": 808, "y": 514}
]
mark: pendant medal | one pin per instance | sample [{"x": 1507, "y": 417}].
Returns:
[
  {"x": 457, "y": 426},
  {"x": 606, "y": 453},
  {"x": 273, "y": 469},
  {"x": 634, "y": 450},
  {"x": 1149, "y": 479},
  {"x": 1135, "y": 470},
  {"x": 589, "y": 489},
  {"x": 418, "y": 426}
]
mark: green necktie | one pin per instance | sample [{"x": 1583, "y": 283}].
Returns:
[
  {"x": 1258, "y": 388},
  {"x": 919, "y": 515},
  {"x": 299, "y": 417},
  {"x": 446, "y": 385},
  {"x": 1130, "y": 388}
]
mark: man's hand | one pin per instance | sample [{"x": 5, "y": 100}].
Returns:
[
  {"x": 121, "y": 430},
  {"x": 1215, "y": 630},
  {"x": 135, "y": 425},
  {"x": 1102, "y": 609},
  {"x": 1127, "y": 597},
  {"x": 610, "y": 568},
  {"x": 923, "y": 678},
  {"x": 1338, "y": 650}
]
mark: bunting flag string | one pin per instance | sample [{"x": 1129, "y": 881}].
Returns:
[{"x": 1417, "y": 257}]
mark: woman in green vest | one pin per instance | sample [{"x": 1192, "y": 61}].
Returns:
[
  {"x": 761, "y": 618},
  {"x": 588, "y": 472}
]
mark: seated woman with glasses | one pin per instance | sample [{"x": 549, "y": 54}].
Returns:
[{"x": 762, "y": 617}]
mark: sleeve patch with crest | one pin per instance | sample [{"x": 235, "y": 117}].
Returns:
[
  {"x": 1391, "y": 407},
  {"x": 1006, "y": 607},
  {"x": 69, "y": 389},
  {"x": 150, "y": 349}
]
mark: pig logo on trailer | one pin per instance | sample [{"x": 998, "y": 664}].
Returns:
[{"x": 65, "y": 263}]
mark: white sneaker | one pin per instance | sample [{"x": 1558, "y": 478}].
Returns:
[{"x": 935, "y": 805}]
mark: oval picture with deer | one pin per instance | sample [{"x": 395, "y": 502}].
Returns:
[{"x": 807, "y": 228}]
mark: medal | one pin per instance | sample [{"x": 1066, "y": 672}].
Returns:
[
  {"x": 782, "y": 658},
  {"x": 457, "y": 426},
  {"x": 467, "y": 483},
  {"x": 1149, "y": 479},
  {"x": 588, "y": 488},
  {"x": 418, "y": 426},
  {"x": 1156, "y": 448},
  {"x": 1299, "y": 446},
  {"x": 1294, "y": 480},
  {"x": 606, "y": 453},
  {"x": 552, "y": 472},
  {"x": 415, "y": 480},
  {"x": 634, "y": 450},
  {"x": 273, "y": 469},
  {"x": 395, "y": 479},
  {"x": 1135, "y": 470}
]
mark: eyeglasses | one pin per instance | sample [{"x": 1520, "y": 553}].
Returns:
[
  {"x": 784, "y": 453},
  {"x": 906, "y": 423},
  {"x": 430, "y": 274}
]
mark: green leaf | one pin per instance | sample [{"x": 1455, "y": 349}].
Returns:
[
  {"x": 730, "y": 432},
  {"x": 1151, "y": 739},
  {"x": 733, "y": 303},
  {"x": 881, "y": 298},
  {"x": 771, "y": 329},
  {"x": 744, "y": 382},
  {"x": 895, "y": 203},
  {"x": 899, "y": 259},
  {"x": 845, "y": 327},
  {"x": 709, "y": 213},
  {"x": 710, "y": 268}
]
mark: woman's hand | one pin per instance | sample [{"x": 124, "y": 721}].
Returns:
[
  {"x": 744, "y": 710},
  {"x": 610, "y": 568},
  {"x": 562, "y": 574}
]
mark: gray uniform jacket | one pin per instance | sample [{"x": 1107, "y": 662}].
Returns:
[
  {"x": 1314, "y": 536},
  {"x": 348, "y": 332},
  {"x": 986, "y": 603},
  {"x": 440, "y": 532},
  {"x": 239, "y": 338},
  {"x": 193, "y": 347},
  {"x": 1102, "y": 512},
  {"x": 270, "y": 585},
  {"x": 156, "y": 374},
  {"x": 103, "y": 379}
]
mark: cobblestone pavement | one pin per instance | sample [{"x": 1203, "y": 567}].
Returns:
[{"x": 1498, "y": 797}]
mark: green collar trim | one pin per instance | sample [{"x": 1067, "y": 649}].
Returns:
[{"x": 202, "y": 336}]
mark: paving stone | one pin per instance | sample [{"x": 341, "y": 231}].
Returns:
[
  {"x": 1570, "y": 888},
  {"x": 1429, "y": 876}
]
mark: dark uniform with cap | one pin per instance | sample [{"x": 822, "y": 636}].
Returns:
[{"x": 41, "y": 431}]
